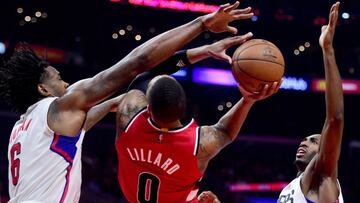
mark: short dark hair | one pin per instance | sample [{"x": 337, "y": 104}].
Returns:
[
  {"x": 19, "y": 77},
  {"x": 167, "y": 99}
]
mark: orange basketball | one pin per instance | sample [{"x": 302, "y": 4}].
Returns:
[{"x": 257, "y": 62}]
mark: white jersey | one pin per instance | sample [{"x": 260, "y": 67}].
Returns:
[
  {"x": 292, "y": 193},
  {"x": 43, "y": 165}
]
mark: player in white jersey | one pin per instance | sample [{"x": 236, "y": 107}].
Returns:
[
  {"x": 45, "y": 145},
  {"x": 317, "y": 156}
]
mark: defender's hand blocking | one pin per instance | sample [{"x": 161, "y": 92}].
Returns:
[
  {"x": 328, "y": 31},
  {"x": 219, "y": 20},
  {"x": 267, "y": 91},
  {"x": 218, "y": 49}
]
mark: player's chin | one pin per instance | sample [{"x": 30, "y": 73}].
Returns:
[{"x": 300, "y": 158}]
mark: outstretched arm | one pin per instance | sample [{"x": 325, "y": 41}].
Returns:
[
  {"x": 70, "y": 109},
  {"x": 216, "y": 50},
  {"x": 214, "y": 138},
  {"x": 183, "y": 58},
  {"x": 330, "y": 144}
]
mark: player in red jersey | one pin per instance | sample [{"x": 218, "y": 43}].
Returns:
[{"x": 162, "y": 159}]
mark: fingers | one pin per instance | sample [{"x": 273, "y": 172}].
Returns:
[
  {"x": 231, "y": 29},
  {"x": 227, "y": 58},
  {"x": 275, "y": 86},
  {"x": 269, "y": 89},
  {"x": 264, "y": 91},
  {"x": 334, "y": 12},
  {"x": 244, "y": 92},
  {"x": 222, "y": 7},
  {"x": 243, "y": 16},
  {"x": 241, "y": 11},
  {"x": 229, "y": 42},
  {"x": 323, "y": 28},
  {"x": 240, "y": 14},
  {"x": 231, "y": 7}
]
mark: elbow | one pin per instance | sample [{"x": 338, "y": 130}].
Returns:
[
  {"x": 226, "y": 133},
  {"x": 336, "y": 121},
  {"x": 337, "y": 118}
]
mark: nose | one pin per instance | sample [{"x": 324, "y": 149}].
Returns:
[
  {"x": 303, "y": 143},
  {"x": 66, "y": 85}
]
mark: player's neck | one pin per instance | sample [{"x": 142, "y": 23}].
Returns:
[{"x": 171, "y": 125}]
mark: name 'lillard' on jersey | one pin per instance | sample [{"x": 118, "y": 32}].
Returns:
[
  {"x": 158, "y": 166},
  {"x": 158, "y": 161}
]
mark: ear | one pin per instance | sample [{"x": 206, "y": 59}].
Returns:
[
  {"x": 149, "y": 109},
  {"x": 42, "y": 90}
]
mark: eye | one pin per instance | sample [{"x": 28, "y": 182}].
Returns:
[{"x": 314, "y": 141}]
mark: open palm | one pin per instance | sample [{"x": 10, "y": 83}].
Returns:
[{"x": 328, "y": 31}]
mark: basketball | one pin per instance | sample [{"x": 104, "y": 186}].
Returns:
[{"x": 257, "y": 62}]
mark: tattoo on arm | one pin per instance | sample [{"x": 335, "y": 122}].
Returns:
[
  {"x": 212, "y": 140},
  {"x": 133, "y": 102}
]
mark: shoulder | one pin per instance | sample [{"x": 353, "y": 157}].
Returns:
[{"x": 133, "y": 102}]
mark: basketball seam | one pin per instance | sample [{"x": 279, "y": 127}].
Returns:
[
  {"x": 254, "y": 45},
  {"x": 250, "y": 59},
  {"x": 254, "y": 77}
]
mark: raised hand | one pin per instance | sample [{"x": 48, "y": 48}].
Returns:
[
  {"x": 267, "y": 91},
  {"x": 219, "y": 20},
  {"x": 328, "y": 31},
  {"x": 218, "y": 49}
]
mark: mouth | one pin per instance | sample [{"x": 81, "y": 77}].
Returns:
[{"x": 300, "y": 152}]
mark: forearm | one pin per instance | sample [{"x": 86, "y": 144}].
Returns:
[
  {"x": 334, "y": 91},
  {"x": 330, "y": 144},
  {"x": 99, "y": 111},
  {"x": 233, "y": 120},
  {"x": 197, "y": 54}
]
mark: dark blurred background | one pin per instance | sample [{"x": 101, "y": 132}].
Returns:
[{"x": 81, "y": 38}]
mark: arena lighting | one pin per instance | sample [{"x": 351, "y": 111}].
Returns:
[
  {"x": 349, "y": 86},
  {"x": 122, "y": 32},
  {"x": 295, "y": 83},
  {"x": 212, "y": 76},
  {"x": 2, "y": 48},
  {"x": 181, "y": 74},
  {"x": 114, "y": 35},
  {"x": 345, "y": 15},
  {"x": 19, "y": 10},
  {"x": 254, "y": 18},
  {"x": 257, "y": 187},
  {"x": 174, "y": 5},
  {"x": 51, "y": 54}
]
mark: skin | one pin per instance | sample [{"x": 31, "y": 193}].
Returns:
[
  {"x": 208, "y": 197},
  {"x": 68, "y": 113},
  {"x": 318, "y": 155}
]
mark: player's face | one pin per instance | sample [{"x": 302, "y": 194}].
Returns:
[
  {"x": 53, "y": 83},
  {"x": 308, "y": 149}
]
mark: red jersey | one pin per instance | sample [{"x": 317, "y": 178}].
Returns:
[{"x": 157, "y": 166}]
